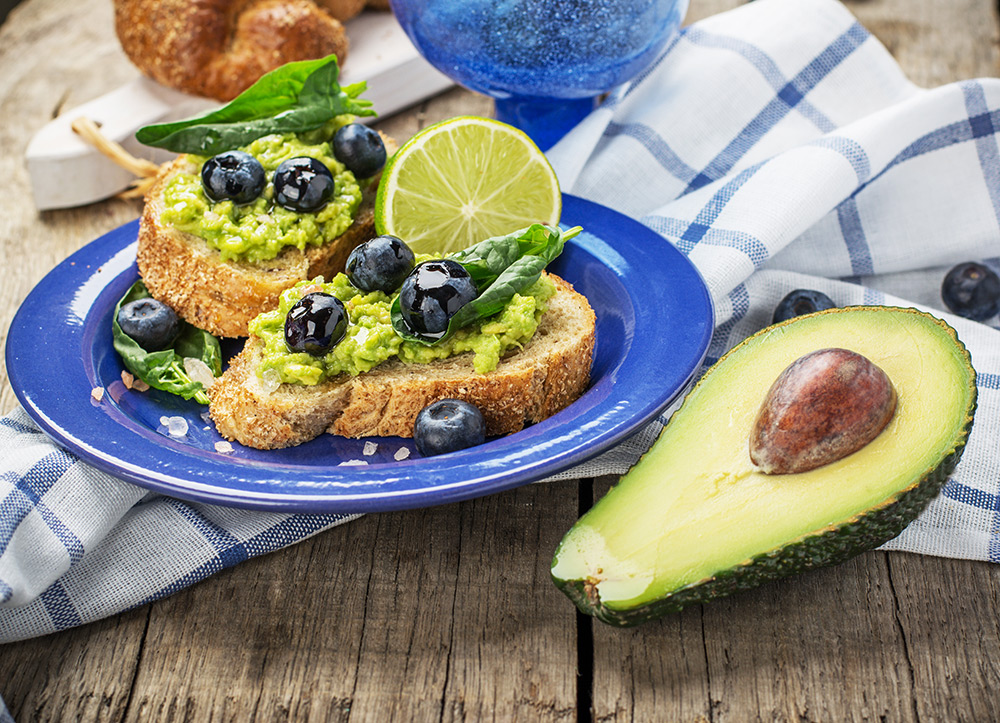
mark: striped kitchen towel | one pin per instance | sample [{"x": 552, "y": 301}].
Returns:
[
  {"x": 780, "y": 146},
  {"x": 777, "y": 145}
]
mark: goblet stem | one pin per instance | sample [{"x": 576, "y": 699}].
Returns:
[{"x": 545, "y": 120}]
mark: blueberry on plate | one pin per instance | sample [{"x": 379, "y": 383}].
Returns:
[
  {"x": 233, "y": 176},
  {"x": 432, "y": 293},
  {"x": 448, "y": 425},
  {"x": 302, "y": 184},
  {"x": 972, "y": 290},
  {"x": 149, "y": 323},
  {"x": 799, "y": 302},
  {"x": 380, "y": 264},
  {"x": 315, "y": 324},
  {"x": 360, "y": 149}
]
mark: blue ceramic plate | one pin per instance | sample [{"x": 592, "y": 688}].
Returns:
[{"x": 654, "y": 321}]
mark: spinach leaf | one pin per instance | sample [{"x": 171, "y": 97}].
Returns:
[
  {"x": 165, "y": 369},
  {"x": 501, "y": 267},
  {"x": 294, "y": 98}
]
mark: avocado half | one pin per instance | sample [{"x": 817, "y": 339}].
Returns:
[{"x": 694, "y": 520}]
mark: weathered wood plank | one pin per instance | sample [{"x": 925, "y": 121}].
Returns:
[
  {"x": 273, "y": 638},
  {"x": 406, "y": 616},
  {"x": 81, "y": 674},
  {"x": 37, "y": 83},
  {"x": 823, "y": 646},
  {"x": 659, "y": 671},
  {"x": 936, "y": 42},
  {"x": 948, "y": 612},
  {"x": 513, "y": 651},
  {"x": 700, "y": 9}
]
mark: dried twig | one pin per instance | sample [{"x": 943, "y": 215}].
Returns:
[{"x": 145, "y": 170}]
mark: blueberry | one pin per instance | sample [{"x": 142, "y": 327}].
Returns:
[
  {"x": 380, "y": 264},
  {"x": 799, "y": 302},
  {"x": 302, "y": 184},
  {"x": 234, "y": 176},
  {"x": 149, "y": 323},
  {"x": 972, "y": 290},
  {"x": 447, "y": 426},
  {"x": 360, "y": 149},
  {"x": 432, "y": 293},
  {"x": 315, "y": 324}
]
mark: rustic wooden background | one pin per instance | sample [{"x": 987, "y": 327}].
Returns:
[{"x": 448, "y": 613}]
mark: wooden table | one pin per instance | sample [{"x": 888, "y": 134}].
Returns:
[{"x": 449, "y": 613}]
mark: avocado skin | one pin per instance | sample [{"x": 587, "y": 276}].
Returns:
[
  {"x": 830, "y": 547},
  {"x": 824, "y": 548}
]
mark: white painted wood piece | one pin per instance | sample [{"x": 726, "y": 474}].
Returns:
[{"x": 380, "y": 53}]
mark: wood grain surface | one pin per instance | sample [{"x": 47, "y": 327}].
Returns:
[{"x": 448, "y": 613}]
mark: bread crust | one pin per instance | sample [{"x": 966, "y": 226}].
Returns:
[
  {"x": 343, "y": 10},
  {"x": 529, "y": 385},
  {"x": 218, "y": 48},
  {"x": 222, "y": 297}
]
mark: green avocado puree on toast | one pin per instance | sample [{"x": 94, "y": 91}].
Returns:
[
  {"x": 371, "y": 339},
  {"x": 261, "y": 229}
]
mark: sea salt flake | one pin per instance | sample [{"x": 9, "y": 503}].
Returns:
[
  {"x": 140, "y": 386},
  {"x": 270, "y": 380},
  {"x": 97, "y": 393},
  {"x": 127, "y": 379},
  {"x": 176, "y": 426},
  {"x": 199, "y": 371},
  {"x": 370, "y": 448},
  {"x": 401, "y": 454},
  {"x": 353, "y": 463},
  {"x": 223, "y": 447}
]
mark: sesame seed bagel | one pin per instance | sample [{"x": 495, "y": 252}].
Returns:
[
  {"x": 218, "y": 48},
  {"x": 529, "y": 385}
]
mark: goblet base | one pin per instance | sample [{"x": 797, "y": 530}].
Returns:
[{"x": 545, "y": 120}]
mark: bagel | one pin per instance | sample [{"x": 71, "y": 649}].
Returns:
[{"x": 218, "y": 48}]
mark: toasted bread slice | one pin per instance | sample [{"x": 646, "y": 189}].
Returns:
[
  {"x": 222, "y": 297},
  {"x": 528, "y": 385}
]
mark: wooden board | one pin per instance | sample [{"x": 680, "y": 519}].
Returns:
[{"x": 381, "y": 55}]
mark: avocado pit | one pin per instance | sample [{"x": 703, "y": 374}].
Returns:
[{"x": 824, "y": 406}]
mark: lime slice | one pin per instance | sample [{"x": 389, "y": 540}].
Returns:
[{"x": 464, "y": 180}]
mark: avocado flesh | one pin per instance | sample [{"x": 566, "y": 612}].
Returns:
[{"x": 694, "y": 511}]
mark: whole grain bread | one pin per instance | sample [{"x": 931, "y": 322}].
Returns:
[
  {"x": 529, "y": 385},
  {"x": 222, "y": 297}
]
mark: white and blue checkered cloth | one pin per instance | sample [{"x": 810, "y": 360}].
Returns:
[{"x": 778, "y": 145}]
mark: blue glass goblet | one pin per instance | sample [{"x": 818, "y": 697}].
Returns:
[{"x": 544, "y": 62}]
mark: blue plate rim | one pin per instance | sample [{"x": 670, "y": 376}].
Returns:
[{"x": 166, "y": 466}]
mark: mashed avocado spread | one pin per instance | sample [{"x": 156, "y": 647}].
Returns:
[
  {"x": 371, "y": 340},
  {"x": 261, "y": 230}
]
